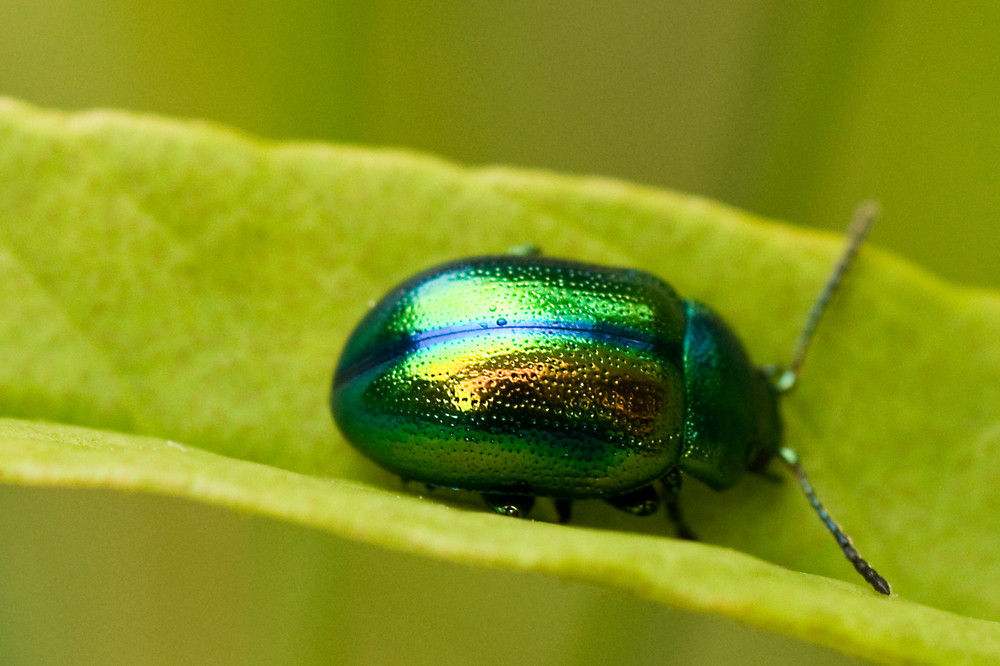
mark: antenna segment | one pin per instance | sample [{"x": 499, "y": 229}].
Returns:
[
  {"x": 863, "y": 219},
  {"x": 864, "y": 216}
]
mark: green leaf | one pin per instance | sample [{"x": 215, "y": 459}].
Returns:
[{"x": 183, "y": 291}]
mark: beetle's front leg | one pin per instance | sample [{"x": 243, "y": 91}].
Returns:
[
  {"x": 672, "y": 483},
  {"x": 759, "y": 466}
]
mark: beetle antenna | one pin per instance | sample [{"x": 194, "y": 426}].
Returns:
[
  {"x": 864, "y": 216},
  {"x": 846, "y": 545}
]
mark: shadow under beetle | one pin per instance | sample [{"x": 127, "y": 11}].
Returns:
[{"x": 524, "y": 376}]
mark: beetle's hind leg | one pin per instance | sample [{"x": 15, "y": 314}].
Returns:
[
  {"x": 640, "y": 502},
  {"x": 672, "y": 482},
  {"x": 517, "y": 506}
]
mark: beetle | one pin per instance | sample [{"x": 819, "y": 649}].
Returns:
[{"x": 523, "y": 376}]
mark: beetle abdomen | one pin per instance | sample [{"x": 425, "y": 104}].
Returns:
[{"x": 525, "y": 375}]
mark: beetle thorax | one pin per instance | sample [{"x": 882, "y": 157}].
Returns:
[{"x": 731, "y": 409}]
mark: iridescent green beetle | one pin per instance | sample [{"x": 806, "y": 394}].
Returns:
[{"x": 521, "y": 376}]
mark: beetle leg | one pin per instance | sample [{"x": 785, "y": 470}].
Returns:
[
  {"x": 759, "y": 466},
  {"x": 641, "y": 502},
  {"x": 672, "y": 481},
  {"x": 517, "y": 506},
  {"x": 563, "y": 510}
]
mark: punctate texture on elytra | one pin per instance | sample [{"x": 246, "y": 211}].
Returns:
[{"x": 543, "y": 377}]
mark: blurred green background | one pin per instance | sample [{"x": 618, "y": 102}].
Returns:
[{"x": 788, "y": 109}]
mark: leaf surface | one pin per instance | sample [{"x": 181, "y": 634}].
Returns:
[{"x": 175, "y": 295}]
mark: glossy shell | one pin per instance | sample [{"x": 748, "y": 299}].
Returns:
[{"x": 519, "y": 374}]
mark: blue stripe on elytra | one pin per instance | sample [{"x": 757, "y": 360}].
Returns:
[{"x": 407, "y": 344}]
